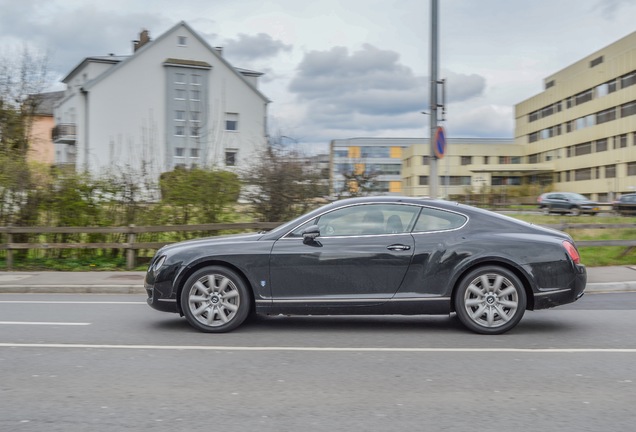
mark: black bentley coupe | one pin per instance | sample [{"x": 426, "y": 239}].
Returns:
[{"x": 373, "y": 255}]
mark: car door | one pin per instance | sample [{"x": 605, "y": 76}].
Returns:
[{"x": 360, "y": 257}]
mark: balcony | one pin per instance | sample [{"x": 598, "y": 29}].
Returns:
[{"x": 64, "y": 133}]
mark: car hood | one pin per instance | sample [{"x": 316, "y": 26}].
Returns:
[{"x": 210, "y": 241}]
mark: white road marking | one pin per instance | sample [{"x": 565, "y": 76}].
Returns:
[
  {"x": 42, "y": 323},
  {"x": 325, "y": 349},
  {"x": 71, "y": 302}
]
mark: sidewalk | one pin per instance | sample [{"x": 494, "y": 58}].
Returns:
[{"x": 599, "y": 279}]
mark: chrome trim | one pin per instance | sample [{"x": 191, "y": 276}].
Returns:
[
  {"x": 284, "y": 236},
  {"x": 556, "y": 291},
  {"x": 167, "y": 300},
  {"x": 413, "y": 299}
]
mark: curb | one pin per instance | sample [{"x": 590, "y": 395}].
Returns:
[{"x": 71, "y": 289}]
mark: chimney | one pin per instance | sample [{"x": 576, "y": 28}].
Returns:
[
  {"x": 144, "y": 38},
  {"x": 219, "y": 50}
]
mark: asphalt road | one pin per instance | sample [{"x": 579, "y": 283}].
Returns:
[{"x": 110, "y": 363}]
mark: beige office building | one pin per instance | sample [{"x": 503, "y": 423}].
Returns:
[{"x": 578, "y": 135}]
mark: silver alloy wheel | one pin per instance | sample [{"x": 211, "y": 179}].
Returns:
[
  {"x": 214, "y": 300},
  {"x": 491, "y": 300}
]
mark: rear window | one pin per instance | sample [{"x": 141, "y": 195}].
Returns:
[{"x": 438, "y": 220}]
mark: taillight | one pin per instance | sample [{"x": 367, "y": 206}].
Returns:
[{"x": 572, "y": 252}]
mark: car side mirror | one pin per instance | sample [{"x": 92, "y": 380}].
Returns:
[{"x": 311, "y": 233}]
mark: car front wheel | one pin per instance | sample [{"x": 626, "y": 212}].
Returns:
[
  {"x": 215, "y": 300},
  {"x": 490, "y": 300}
]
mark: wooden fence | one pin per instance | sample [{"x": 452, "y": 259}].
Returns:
[{"x": 131, "y": 245}]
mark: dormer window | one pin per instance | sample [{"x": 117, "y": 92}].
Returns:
[{"x": 182, "y": 41}]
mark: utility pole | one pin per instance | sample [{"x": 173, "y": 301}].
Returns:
[{"x": 433, "y": 177}]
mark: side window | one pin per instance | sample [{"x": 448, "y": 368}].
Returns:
[
  {"x": 364, "y": 219},
  {"x": 438, "y": 220}
]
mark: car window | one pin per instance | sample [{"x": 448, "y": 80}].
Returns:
[
  {"x": 364, "y": 219},
  {"x": 438, "y": 220}
]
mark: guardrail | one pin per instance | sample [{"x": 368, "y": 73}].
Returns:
[{"x": 131, "y": 245}]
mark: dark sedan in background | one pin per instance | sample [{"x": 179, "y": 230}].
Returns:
[
  {"x": 380, "y": 255},
  {"x": 567, "y": 202},
  {"x": 625, "y": 205}
]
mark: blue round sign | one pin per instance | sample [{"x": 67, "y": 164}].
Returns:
[{"x": 439, "y": 146}]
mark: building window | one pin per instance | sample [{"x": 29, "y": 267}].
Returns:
[
  {"x": 485, "y": 160},
  {"x": 423, "y": 180},
  {"x": 533, "y": 158},
  {"x": 182, "y": 40},
  {"x": 426, "y": 160},
  {"x": 230, "y": 158},
  {"x": 179, "y": 115},
  {"x": 179, "y": 151},
  {"x": 533, "y": 137},
  {"x": 583, "y": 174},
  {"x": 601, "y": 145},
  {"x": 195, "y": 116},
  {"x": 583, "y": 97},
  {"x": 180, "y": 94},
  {"x": 610, "y": 171},
  {"x": 466, "y": 160},
  {"x": 597, "y": 61},
  {"x": 583, "y": 149},
  {"x": 455, "y": 180},
  {"x": 628, "y": 80},
  {"x": 195, "y": 79},
  {"x": 231, "y": 121},
  {"x": 179, "y": 130},
  {"x": 606, "y": 115},
  {"x": 194, "y": 152},
  {"x": 179, "y": 78},
  {"x": 631, "y": 168},
  {"x": 628, "y": 109},
  {"x": 194, "y": 131},
  {"x": 549, "y": 84},
  {"x": 195, "y": 95}
]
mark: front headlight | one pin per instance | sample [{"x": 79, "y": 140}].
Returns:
[{"x": 157, "y": 265}]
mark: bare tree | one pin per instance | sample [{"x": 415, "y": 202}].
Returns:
[
  {"x": 279, "y": 184},
  {"x": 23, "y": 76}
]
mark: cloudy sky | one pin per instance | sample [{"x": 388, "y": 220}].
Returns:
[{"x": 347, "y": 68}]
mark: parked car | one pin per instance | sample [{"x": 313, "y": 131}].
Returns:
[
  {"x": 567, "y": 202},
  {"x": 374, "y": 255},
  {"x": 625, "y": 205}
]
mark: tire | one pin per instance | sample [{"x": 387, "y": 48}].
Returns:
[
  {"x": 490, "y": 300},
  {"x": 215, "y": 300},
  {"x": 575, "y": 211},
  {"x": 545, "y": 210}
]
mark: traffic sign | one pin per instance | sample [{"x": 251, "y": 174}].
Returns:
[{"x": 439, "y": 144}]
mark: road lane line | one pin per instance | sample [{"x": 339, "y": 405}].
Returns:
[
  {"x": 325, "y": 349},
  {"x": 42, "y": 323},
  {"x": 71, "y": 302}
]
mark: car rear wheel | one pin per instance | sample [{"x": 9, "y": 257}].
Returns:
[
  {"x": 545, "y": 210},
  {"x": 576, "y": 211},
  {"x": 215, "y": 300},
  {"x": 490, "y": 300}
]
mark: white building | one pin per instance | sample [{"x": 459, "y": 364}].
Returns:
[{"x": 174, "y": 102}]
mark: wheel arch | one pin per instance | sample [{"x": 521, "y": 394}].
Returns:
[
  {"x": 504, "y": 264},
  {"x": 208, "y": 263}
]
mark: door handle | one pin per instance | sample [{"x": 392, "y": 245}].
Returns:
[{"x": 398, "y": 247}]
